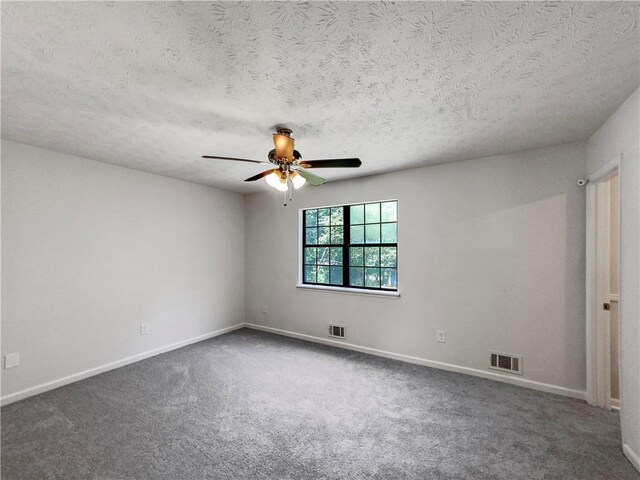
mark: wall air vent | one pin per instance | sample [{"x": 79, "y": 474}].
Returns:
[
  {"x": 506, "y": 362},
  {"x": 336, "y": 331}
]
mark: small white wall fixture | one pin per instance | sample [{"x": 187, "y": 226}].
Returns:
[{"x": 598, "y": 280}]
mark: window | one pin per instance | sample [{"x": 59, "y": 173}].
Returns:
[{"x": 354, "y": 246}]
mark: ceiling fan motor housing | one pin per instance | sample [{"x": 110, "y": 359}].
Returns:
[{"x": 273, "y": 159}]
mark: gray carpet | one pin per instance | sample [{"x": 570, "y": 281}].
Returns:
[{"x": 254, "y": 405}]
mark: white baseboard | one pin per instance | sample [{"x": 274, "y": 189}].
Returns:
[
  {"x": 632, "y": 456},
  {"x": 44, "y": 387},
  {"x": 615, "y": 404},
  {"x": 543, "y": 387}
]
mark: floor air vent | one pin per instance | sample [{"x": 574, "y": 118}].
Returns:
[
  {"x": 506, "y": 362},
  {"x": 336, "y": 331}
]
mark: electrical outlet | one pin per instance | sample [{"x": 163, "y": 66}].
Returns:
[
  {"x": 442, "y": 336},
  {"x": 264, "y": 308},
  {"x": 144, "y": 328},
  {"x": 11, "y": 360}
]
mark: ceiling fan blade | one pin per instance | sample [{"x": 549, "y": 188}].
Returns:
[
  {"x": 332, "y": 163},
  {"x": 260, "y": 175},
  {"x": 233, "y": 158},
  {"x": 313, "y": 179}
]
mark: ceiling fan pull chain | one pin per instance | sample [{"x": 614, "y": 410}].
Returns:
[{"x": 289, "y": 183}]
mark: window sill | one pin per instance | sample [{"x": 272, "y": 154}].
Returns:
[{"x": 351, "y": 291}]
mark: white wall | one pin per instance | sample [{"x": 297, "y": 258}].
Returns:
[
  {"x": 90, "y": 251},
  {"x": 490, "y": 250},
  {"x": 620, "y": 135}
]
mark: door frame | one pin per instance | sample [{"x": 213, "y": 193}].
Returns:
[{"x": 598, "y": 284}]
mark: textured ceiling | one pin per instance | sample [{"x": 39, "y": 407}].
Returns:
[{"x": 153, "y": 86}]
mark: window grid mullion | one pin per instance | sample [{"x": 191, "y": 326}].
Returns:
[
  {"x": 380, "y": 259},
  {"x": 346, "y": 236}
]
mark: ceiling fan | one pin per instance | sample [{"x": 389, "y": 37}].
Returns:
[{"x": 289, "y": 167}]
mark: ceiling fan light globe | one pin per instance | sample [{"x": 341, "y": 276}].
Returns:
[
  {"x": 272, "y": 179},
  {"x": 277, "y": 181},
  {"x": 297, "y": 180}
]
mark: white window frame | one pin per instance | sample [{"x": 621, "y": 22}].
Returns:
[{"x": 336, "y": 289}]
